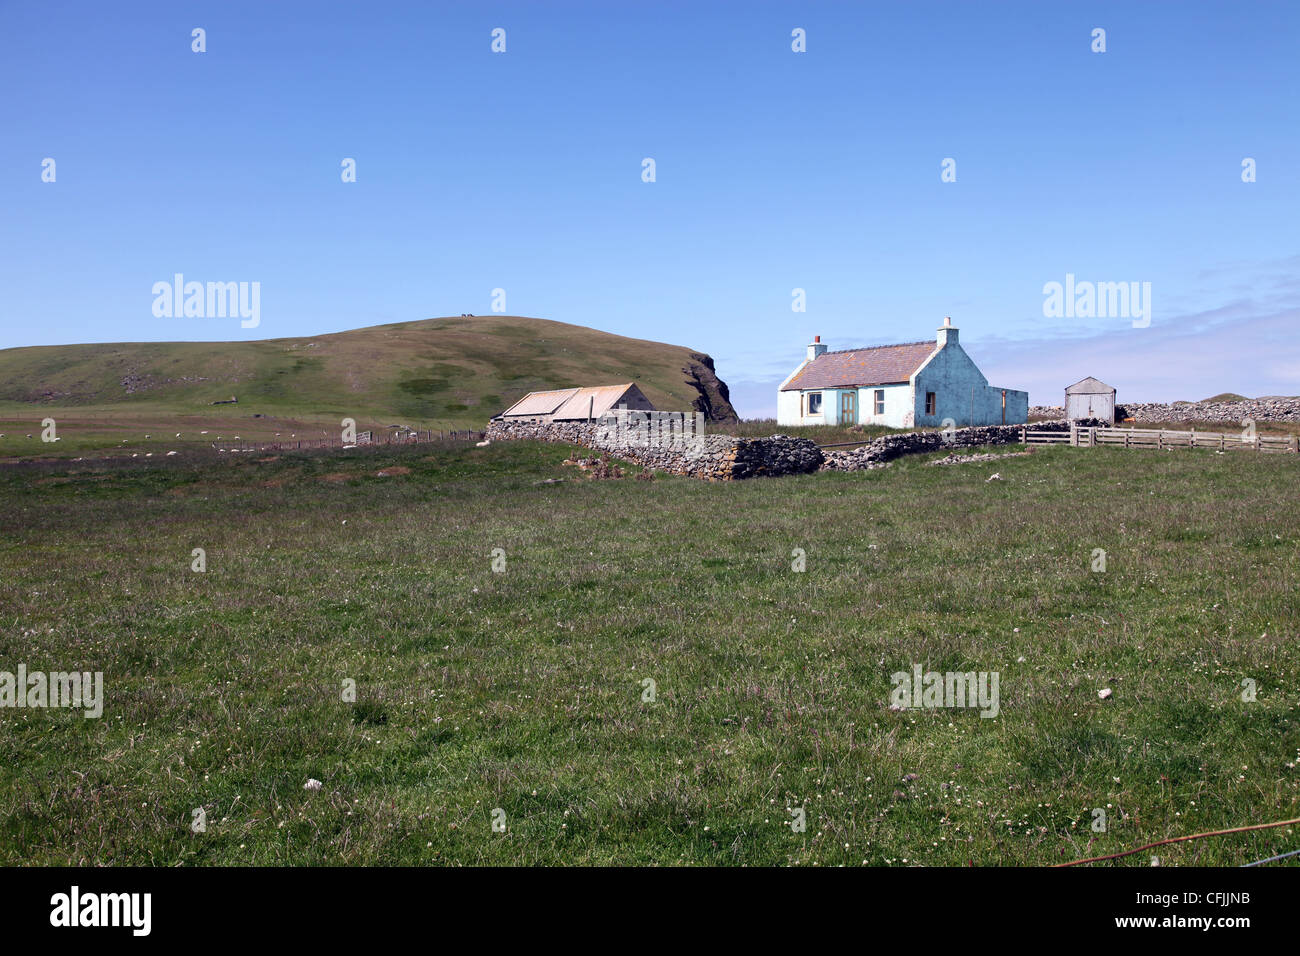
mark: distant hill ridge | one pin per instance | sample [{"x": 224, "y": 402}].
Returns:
[{"x": 457, "y": 369}]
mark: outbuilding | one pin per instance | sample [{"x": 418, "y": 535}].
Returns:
[{"x": 1090, "y": 398}]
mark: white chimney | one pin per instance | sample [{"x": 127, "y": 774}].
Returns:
[
  {"x": 816, "y": 348},
  {"x": 947, "y": 332}
]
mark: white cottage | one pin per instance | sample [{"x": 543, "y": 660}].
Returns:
[{"x": 902, "y": 386}]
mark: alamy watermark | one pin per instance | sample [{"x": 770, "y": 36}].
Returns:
[
  {"x": 676, "y": 431},
  {"x": 213, "y": 300},
  {"x": 953, "y": 689},
  {"x": 1098, "y": 300},
  {"x": 128, "y": 910},
  {"x": 38, "y": 689}
]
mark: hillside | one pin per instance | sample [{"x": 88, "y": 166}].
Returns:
[{"x": 454, "y": 371}]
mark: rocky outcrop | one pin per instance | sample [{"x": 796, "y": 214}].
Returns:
[
  {"x": 714, "y": 398},
  {"x": 1278, "y": 409}
]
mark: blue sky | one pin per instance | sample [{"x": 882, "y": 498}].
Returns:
[{"x": 775, "y": 170}]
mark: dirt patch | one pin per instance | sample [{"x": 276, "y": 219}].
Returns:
[
  {"x": 393, "y": 471},
  {"x": 262, "y": 461},
  {"x": 336, "y": 477}
]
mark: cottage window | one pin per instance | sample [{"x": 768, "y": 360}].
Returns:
[
  {"x": 929, "y": 403},
  {"x": 880, "y": 401},
  {"x": 814, "y": 403}
]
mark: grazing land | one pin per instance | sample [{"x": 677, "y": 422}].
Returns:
[{"x": 523, "y": 690}]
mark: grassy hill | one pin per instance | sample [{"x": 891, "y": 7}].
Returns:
[
  {"x": 449, "y": 372},
  {"x": 1226, "y": 397}
]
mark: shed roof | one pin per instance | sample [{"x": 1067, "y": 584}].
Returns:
[
  {"x": 1090, "y": 386},
  {"x": 593, "y": 402},
  {"x": 540, "y": 403},
  {"x": 573, "y": 403},
  {"x": 881, "y": 365}
]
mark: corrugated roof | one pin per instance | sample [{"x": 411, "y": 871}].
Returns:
[
  {"x": 566, "y": 404},
  {"x": 882, "y": 365},
  {"x": 1089, "y": 386},
  {"x": 591, "y": 402},
  {"x": 540, "y": 403}
]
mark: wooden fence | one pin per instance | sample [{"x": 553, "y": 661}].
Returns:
[
  {"x": 1160, "y": 439},
  {"x": 363, "y": 438}
]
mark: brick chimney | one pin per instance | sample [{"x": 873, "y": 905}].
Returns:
[
  {"x": 816, "y": 348},
  {"x": 947, "y": 332}
]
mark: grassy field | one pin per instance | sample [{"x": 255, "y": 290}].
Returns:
[{"x": 523, "y": 690}]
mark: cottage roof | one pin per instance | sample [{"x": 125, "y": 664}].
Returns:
[
  {"x": 1089, "y": 386},
  {"x": 881, "y": 365}
]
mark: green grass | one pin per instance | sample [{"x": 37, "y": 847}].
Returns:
[{"x": 523, "y": 690}]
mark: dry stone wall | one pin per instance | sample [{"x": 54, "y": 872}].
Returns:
[
  {"x": 888, "y": 447},
  {"x": 726, "y": 458},
  {"x": 1259, "y": 409},
  {"x": 711, "y": 457}
]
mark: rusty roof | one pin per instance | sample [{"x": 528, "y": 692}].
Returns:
[{"x": 881, "y": 365}]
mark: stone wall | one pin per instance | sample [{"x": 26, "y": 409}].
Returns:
[
  {"x": 725, "y": 458},
  {"x": 710, "y": 457},
  {"x": 1259, "y": 409},
  {"x": 888, "y": 447}
]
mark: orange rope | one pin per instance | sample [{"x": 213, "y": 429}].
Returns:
[{"x": 1193, "y": 836}]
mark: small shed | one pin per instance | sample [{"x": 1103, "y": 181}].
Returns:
[{"x": 1090, "y": 399}]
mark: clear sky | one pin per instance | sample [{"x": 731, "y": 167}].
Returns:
[{"x": 775, "y": 170}]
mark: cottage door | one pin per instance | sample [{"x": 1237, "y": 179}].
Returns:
[{"x": 848, "y": 403}]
